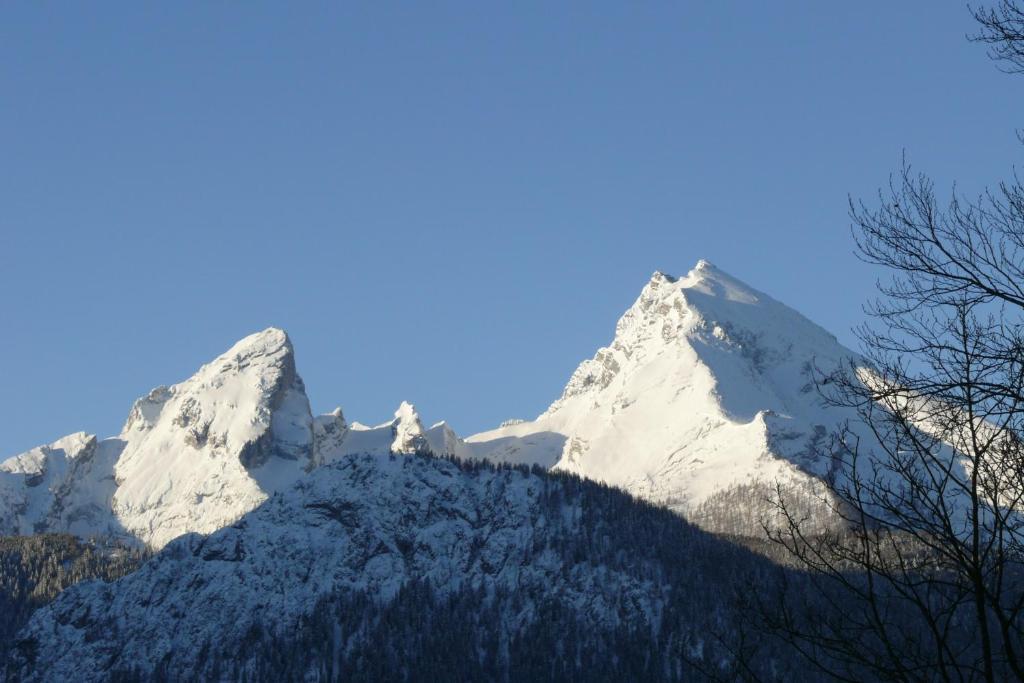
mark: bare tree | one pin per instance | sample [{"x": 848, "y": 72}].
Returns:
[
  {"x": 1002, "y": 28},
  {"x": 926, "y": 581}
]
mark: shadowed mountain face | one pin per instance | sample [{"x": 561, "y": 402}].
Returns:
[
  {"x": 35, "y": 569},
  {"x": 511, "y": 567}
]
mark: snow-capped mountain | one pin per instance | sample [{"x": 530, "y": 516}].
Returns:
[
  {"x": 707, "y": 384},
  {"x": 195, "y": 456}
]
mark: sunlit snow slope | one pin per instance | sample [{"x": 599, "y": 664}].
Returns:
[{"x": 707, "y": 383}]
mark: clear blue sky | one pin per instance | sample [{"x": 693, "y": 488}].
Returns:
[{"x": 449, "y": 203}]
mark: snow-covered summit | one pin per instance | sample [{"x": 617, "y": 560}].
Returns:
[
  {"x": 408, "y": 430},
  {"x": 200, "y": 453},
  {"x": 195, "y": 456},
  {"x": 192, "y": 456},
  {"x": 707, "y": 383}
]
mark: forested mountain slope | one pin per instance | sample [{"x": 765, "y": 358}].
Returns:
[{"x": 402, "y": 567}]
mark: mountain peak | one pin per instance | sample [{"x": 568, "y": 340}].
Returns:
[
  {"x": 267, "y": 342},
  {"x": 406, "y": 411},
  {"x": 660, "y": 276},
  {"x": 241, "y": 423},
  {"x": 702, "y": 267},
  {"x": 704, "y": 278},
  {"x": 262, "y": 362},
  {"x": 706, "y": 383},
  {"x": 407, "y": 430}
]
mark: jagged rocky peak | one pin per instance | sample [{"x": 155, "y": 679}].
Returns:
[
  {"x": 249, "y": 399},
  {"x": 332, "y": 423},
  {"x": 657, "y": 317},
  {"x": 408, "y": 431},
  {"x": 707, "y": 383},
  {"x": 191, "y": 457},
  {"x": 667, "y": 296},
  {"x": 264, "y": 362},
  {"x": 329, "y": 432},
  {"x": 710, "y": 308},
  {"x": 659, "y": 278},
  {"x": 202, "y": 452},
  {"x": 197, "y": 455}
]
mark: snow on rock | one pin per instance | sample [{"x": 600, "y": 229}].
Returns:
[
  {"x": 367, "y": 523},
  {"x": 329, "y": 432},
  {"x": 201, "y": 453},
  {"x": 404, "y": 435},
  {"x": 194, "y": 456},
  {"x": 37, "y": 462},
  {"x": 66, "y": 485},
  {"x": 708, "y": 383},
  {"x": 407, "y": 430}
]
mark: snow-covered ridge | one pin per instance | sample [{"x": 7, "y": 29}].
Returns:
[
  {"x": 195, "y": 456},
  {"x": 707, "y": 383}
]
